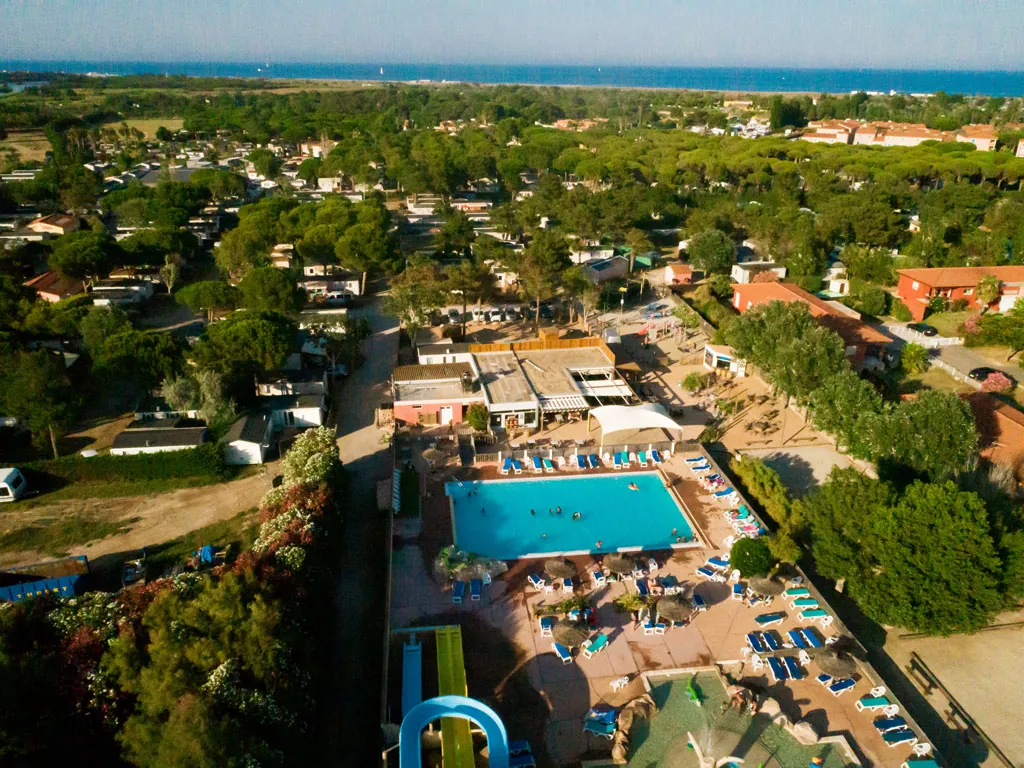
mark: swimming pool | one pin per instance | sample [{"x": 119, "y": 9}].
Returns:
[{"x": 493, "y": 517}]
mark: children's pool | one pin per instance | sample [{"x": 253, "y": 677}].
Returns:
[{"x": 493, "y": 517}]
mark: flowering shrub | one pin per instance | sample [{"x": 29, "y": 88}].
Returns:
[{"x": 997, "y": 382}]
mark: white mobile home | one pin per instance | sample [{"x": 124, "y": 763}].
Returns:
[
  {"x": 247, "y": 440},
  {"x": 12, "y": 484}
]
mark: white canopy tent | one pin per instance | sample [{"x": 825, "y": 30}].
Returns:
[{"x": 620, "y": 418}]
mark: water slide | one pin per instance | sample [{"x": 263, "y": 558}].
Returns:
[
  {"x": 412, "y": 675},
  {"x": 456, "y": 739}
]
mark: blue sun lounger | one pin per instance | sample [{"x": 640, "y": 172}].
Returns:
[
  {"x": 754, "y": 641},
  {"x": 548, "y": 466},
  {"x": 624, "y": 457},
  {"x": 899, "y": 736},
  {"x": 506, "y": 466},
  {"x": 476, "y": 587},
  {"x": 698, "y": 603},
  {"x": 562, "y": 653},
  {"x": 695, "y": 460},
  {"x": 656, "y": 456},
  {"x": 602, "y": 714},
  {"x": 793, "y": 668},
  {"x": 771, "y": 641},
  {"x": 767, "y": 619},
  {"x": 595, "y": 463},
  {"x": 641, "y": 587},
  {"x": 517, "y": 467},
  {"x": 717, "y": 562},
  {"x": 797, "y": 639},
  {"x": 459, "y": 591},
  {"x": 538, "y": 467},
  {"x": 522, "y": 761},
  {"x": 617, "y": 461},
  {"x": 536, "y": 581},
  {"x": 840, "y": 687},
  {"x": 520, "y": 747},
  {"x": 779, "y": 673},
  {"x": 723, "y": 493},
  {"x": 706, "y": 572},
  {"x": 641, "y": 456},
  {"x": 889, "y": 724},
  {"x": 921, "y": 762},
  {"x": 580, "y": 462},
  {"x": 607, "y": 730},
  {"x": 811, "y": 636}
]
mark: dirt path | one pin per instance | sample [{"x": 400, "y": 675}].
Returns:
[{"x": 161, "y": 518}]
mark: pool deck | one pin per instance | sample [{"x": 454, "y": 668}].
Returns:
[{"x": 714, "y": 637}]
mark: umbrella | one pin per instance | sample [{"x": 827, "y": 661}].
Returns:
[
  {"x": 832, "y": 663},
  {"x": 557, "y": 568},
  {"x": 673, "y": 608},
  {"x": 570, "y": 633},
  {"x": 434, "y": 456},
  {"x": 618, "y": 563},
  {"x": 765, "y": 586}
]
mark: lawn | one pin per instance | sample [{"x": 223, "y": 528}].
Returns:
[
  {"x": 31, "y": 146},
  {"x": 56, "y": 537},
  {"x": 947, "y": 323},
  {"x": 933, "y": 378},
  {"x": 149, "y": 125},
  {"x": 236, "y": 533}
]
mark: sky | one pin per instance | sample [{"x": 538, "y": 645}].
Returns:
[{"x": 849, "y": 34}]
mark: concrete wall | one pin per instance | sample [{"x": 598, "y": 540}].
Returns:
[{"x": 410, "y": 414}]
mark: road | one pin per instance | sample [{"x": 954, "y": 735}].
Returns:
[
  {"x": 958, "y": 356},
  {"x": 354, "y": 705}
]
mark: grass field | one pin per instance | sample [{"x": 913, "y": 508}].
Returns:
[
  {"x": 30, "y": 145},
  {"x": 236, "y": 534},
  {"x": 148, "y": 126},
  {"x": 56, "y": 537},
  {"x": 947, "y": 323}
]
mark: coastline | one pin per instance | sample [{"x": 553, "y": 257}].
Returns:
[{"x": 725, "y": 80}]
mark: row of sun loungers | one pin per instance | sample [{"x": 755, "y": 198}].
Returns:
[
  {"x": 520, "y": 755},
  {"x": 582, "y": 462},
  {"x": 541, "y": 584},
  {"x": 476, "y": 588}
]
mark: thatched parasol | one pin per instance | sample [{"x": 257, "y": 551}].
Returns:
[
  {"x": 434, "y": 456},
  {"x": 673, "y": 608},
  {"x": 558, "y": 568},
  {"x": 619, "y": 563},
  {"x": 765, "y": 586},
  {"x": 831, "y": 662},
  {"x": 571, "y": 634}
]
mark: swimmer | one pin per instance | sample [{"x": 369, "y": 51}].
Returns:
[
  {"x": 675, "y": 531},
  {"x": 558, "y": 510},
  {"x": 634, "y": 487},
  {"x": 598, "y": 543},
  {"x": 533, "y": 513},
  {"x": 543, "y": 535},
  {"x": 483, "y": 511},
  {"x": 577, "y": 516},
  {"x": 679, "y": 539},
  {"x": 551, "y": 511}
]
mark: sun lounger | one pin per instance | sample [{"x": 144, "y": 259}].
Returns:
[
  {"x": 793, "y": 668},
  {"x": 567, "y": 585},
  {"x": 814, "y": 614},
  {"x": 723, "y": 493},
  {"x": 921, "y": 762},
  {"x": 805, "y": 603},
  {"x": 778, "y": 670},
  {"x": 698, "y": 603},
  {"x": 641, "y": 456},
  {"x": 737, "y": 591},
  {"x": 839, "y": 687},
  {"x": 718, "y": 562},
  {"x": 754, "y": 641},
  {"x": 810, "y": 634},
  {"x": 899, "y": 736},
  {"x": 522, "y": 761},
  {"x": 632, "y": 457},
  {"x": 594, "y": 645},
  {"x": 641, "y": 587},
  {"x": 547, "y": 623},
  {"x": 548, "y": 466},
  {"x": 871, "y": 703},
  {"x": 598, "y": 578},
  {"x": 517, "y": 467},
  {"x": 595, "y": 463},
  {"x": 709, "y": 574},
  {"x": 656, "y": 457},
  {"x": 579, "y": 462},
  {"x": 660, "y": 627},
  {"x": 617, "y": 460},
  {"x": 602, "y": 713},
  {"x": 536, "y": 581},
  {"x": 695, "y": 460},
  {"x": 796, "y": 638},
  {"x": 824, "y": 679},
  {"x": 506, "y": 465},
  {"x": 459, "y": 591},
  {"x": 538, "y": 465},
  {"x": 626, "y": 458},
  {"x": 520, "y": 747},
  {"x": 889, "y": 724},
  {"x": 701, "y": 466},
  {"x": 795, "y": 592},
  {"x": 771, "y": 641},
  {"x": 768, "y": 619},
  {"x": 476, "y": 588},
  {"x": 607, "y": 730},
  {"x": 562, "y": 653}
]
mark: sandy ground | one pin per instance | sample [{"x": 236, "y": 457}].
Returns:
[
  {"x": 30, "y": 145},
  {"x": 161, "y": 518}
]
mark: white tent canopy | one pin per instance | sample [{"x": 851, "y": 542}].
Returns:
[{"x": 617, "y": 418}]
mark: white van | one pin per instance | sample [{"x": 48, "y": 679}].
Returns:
[{"x": 12, "y": 484}]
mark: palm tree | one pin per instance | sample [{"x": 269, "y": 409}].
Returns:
[
  {"x": 914, "y": 358},
  {"x": 987, "y": 291}
]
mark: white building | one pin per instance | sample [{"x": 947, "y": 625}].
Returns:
[
  {"x": 158, "y": 436},
  {"x": 247, "y": 440},
  {"x": 295, "y": 410}
]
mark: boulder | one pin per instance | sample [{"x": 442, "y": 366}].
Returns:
[{"x": 804, "y": 733}]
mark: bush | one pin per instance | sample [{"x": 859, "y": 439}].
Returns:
[
  {"x": 753, "y": 557},
  {"x": 938, "y": 304},
  {"x": 693, "y": 382},
  {"x": 997, "y": 382},
  {"x": 204, "y": 460},
  {"x": 874, "y": 302},
  {"x": 959, "y": 305},
  {"x": 721, "y": 286},
  {"x": 810, "y": 283},
  {"x": 478, "y": 417},
  {"x": 900, "y": 311}
]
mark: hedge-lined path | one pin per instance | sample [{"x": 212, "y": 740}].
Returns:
[{"x": 150, "y": 519}]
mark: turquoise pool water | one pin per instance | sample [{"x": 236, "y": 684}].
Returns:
[{"x": 610, "y": 513}]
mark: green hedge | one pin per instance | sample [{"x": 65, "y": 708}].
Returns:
[{"x": 205, "y": 460}]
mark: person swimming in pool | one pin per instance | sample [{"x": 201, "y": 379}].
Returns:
[
  {"x": 634, "y": 487},
  {"x": 558, "y": 510},
  {"x": 483, "y": 511},
  {"x": 598, "y": 543},
  {"x": 533, "y": 513},
  {"x": 577, "y": 516},
  {"x": 675, "y": 531}
]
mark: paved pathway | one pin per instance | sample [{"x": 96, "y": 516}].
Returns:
[{"x": 361, "y": 579}]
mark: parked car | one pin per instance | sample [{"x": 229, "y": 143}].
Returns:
[
  {"x": 547, "y": 312},
  {"x": 454, "y": 316},
  {"x": 495, "y": 316},
  {"x": 511, "y": 315},
  {"x": 436, "y": 319},
  {"x": 982, "y": 373},
  {"x": 923, "y": 328}
]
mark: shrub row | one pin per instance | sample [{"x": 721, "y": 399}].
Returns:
[{"x": 203, "y": 461}]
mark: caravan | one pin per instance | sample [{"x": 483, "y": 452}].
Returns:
[{"x": 12, "y": 484}]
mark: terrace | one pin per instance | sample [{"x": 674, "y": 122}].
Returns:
[{"x": 714, "y": 641}]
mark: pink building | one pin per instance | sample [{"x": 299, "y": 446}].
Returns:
[
  {"x": 433, "y": 395},
  {"x": 917, "y": 287}
]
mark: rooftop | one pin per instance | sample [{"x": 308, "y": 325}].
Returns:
[
  {"x": 170, "y": 435},
  {"x": 288, "y": 402},
  {"x": 250, "y": 428},
  {"x": 435, "y": 372},
  {"x": 503, "y": 379},
  {"x": 959, "y": 277}
]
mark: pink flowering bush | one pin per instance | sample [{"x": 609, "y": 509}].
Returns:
[{"x": 997, "y": 382}]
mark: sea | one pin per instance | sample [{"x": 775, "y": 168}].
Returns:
[{"x": 741, "y": 79}]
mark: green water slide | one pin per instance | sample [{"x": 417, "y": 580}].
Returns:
[{"x": 456, "y": 739}]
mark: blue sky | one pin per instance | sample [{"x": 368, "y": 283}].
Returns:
[{"x": 934, "y": 34}]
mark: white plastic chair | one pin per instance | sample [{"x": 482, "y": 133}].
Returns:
[
  {"x": 878, "y": 691},
  {"x": 757, "y": 661},
  {"x": 804, "y": 658},
  {"x": 922, "y": 749},
  {"x": 891, "y": 711}
]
